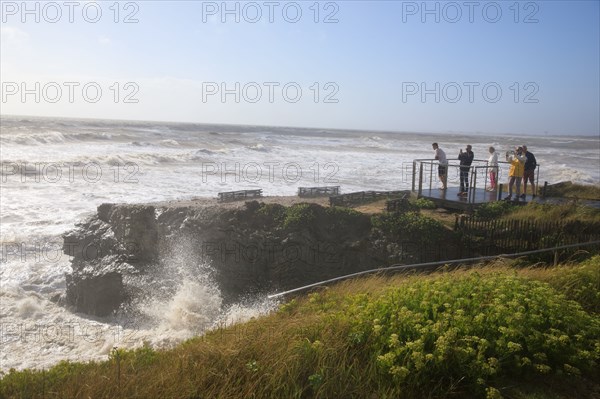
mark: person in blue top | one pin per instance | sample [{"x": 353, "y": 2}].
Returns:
[{"x": 466, "y": 158}]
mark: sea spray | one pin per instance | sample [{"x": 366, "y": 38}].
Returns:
[{"x": 179, "y": 297}]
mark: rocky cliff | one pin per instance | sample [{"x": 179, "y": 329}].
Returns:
[{"x": 255, "y": 247}]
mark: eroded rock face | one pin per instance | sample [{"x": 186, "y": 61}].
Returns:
[
  {"x": 118, "y": 241},
  {"x": 249, "y": 250}
]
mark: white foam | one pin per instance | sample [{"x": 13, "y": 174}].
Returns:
[
  {"x": 193, "y": 308},
  {"x": 28, "y": 308}
]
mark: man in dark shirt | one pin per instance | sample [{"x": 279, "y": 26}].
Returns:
[
  {"x": 529, "y": 174},
  {"x": 466, "y": 158}
]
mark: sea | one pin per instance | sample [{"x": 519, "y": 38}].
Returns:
[{"x": 56, "y": 171}]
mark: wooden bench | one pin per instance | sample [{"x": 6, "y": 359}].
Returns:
[
  {"x": 238, "y": 195},
  {"x": 318, "y": 191}
]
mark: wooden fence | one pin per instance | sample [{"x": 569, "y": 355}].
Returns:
[{"x": 491, "y": 237}]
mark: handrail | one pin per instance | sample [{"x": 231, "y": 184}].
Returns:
[
  {"x": 398, "y": 267},
  {"x": 477, "y": 164}
]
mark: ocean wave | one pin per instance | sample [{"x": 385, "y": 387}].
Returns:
[
  {"x": 203, "y": 151},
  {"x": 32, "y": 167},
  {"x": 560, "y": 173},
  {"x": 50, "y": 137},
  {"x": 54, "y": 137},
  {"x": 258, "y": 147},
  {"x": 160, "y": 143},
  {"x": 140, "y": 143}
]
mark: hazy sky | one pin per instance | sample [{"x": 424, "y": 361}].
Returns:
[{"x": 466, "y": 66}]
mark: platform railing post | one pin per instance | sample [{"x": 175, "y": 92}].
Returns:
[
  {"x": 420, "y": 180},
  {"x": 414, "y": 172},
  {"x": 485, "y": 178},
  {"x": 430, "y": 175},
  {"x": 474, "y": 185}
]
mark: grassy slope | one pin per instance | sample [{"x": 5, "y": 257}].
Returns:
[{"x": 520, "y": 333}]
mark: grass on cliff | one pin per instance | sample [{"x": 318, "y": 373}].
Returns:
[
  {"x": 491, "y": 332},
  {"x": 570, "y": 212},
  {"x": 573, "y": 190}
]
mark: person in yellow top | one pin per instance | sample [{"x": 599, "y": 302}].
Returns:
[{"x": 517, "y": 161}]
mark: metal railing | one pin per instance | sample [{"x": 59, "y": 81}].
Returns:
[
  {"x": 478, "y": 175},
  {"x": 421, "y": 266}
]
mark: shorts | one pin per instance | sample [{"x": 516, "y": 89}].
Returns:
[
  {"x": 529, "y": 175},
  {"x": 442, "y": 170}
]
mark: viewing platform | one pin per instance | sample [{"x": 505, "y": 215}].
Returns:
[{"x": 426, "y": 184}]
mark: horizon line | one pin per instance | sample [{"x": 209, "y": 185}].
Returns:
[{"x": 478, "y": 133}]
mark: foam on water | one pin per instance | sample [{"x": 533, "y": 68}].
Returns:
[{"x": 171, "y": 162}]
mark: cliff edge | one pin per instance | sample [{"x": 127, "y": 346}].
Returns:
[{"x": 125, "y": 250}]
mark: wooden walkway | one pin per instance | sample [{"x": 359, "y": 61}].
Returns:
[{"x": 449, "y": 198}]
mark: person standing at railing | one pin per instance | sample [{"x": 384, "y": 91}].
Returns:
[
  {"x": 492, "y": 164},
  {"x": 529, "y": 173},
  {"x": 466, "y": 159},
  {"x": 517, "y": 167},
  {"x": 440, "y": 156}
]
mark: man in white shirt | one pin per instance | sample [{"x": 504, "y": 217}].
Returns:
[{"x": 440, "y": 156}]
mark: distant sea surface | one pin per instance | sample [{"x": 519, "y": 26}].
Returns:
[{"x": 55, "y": 172}]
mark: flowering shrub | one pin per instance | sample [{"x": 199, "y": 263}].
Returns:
[{"x": 474, "y": 330}]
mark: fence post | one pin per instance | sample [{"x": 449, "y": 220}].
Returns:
[
  {"x": 544, "y": 190},
  {"x": 500, "y": 189},
  {"x": 536, "y": 186}
]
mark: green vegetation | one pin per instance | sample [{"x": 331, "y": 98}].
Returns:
[
  {"x": 488, "y": 333},
  {"x": 424, "y": 203},
  {"x": 409, "y": 225},
  {"x": 341, "y": 217},
  {"x": 275, "y": 212},
  {"x": 305, "y": 215},
  {"x": 494, "y": 210},
  {"x": 579, "y": 282},
  {"x": 300, "y": 215},
  {"x": 467, "y": 332}
]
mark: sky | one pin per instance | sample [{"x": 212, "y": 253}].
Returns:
[{"x": 501, "y": 67}]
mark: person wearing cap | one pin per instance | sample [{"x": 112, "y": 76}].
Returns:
[
  {"x": 517, "y": 167},
  {"x": 529, "y": 173},
  {"x": 466, "y": 158}
]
